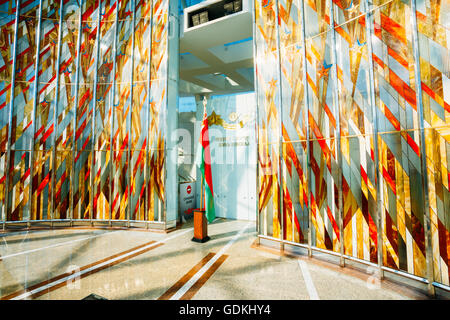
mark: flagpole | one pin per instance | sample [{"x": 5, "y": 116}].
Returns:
[
  {"x": 204, "y": 197},
  {"x": 201, "y": 196}
]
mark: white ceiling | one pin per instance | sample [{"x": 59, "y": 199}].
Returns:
[{"x": 217, "y": 57}]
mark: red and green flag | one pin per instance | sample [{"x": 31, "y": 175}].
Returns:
[{"x": 205, "y": 167}]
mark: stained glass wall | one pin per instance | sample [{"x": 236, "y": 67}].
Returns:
[
  {"x": 269, "y": 133},
  {"x": 354, "y": 131},
  {"x": 83, "y": 98}
]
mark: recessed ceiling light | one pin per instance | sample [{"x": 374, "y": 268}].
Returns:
[{"x": 233, "y": 83}]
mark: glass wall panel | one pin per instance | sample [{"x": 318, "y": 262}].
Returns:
[
  {"x": 358, "y": 166},
  {"x": 19, "y": 186},
  {"x": 359, "y": 197},
  {"x": 158, "y": 105},
  {"x": 268, "y": 99},
  {"x": 63, "y": 190},
  {"x": 122, "y": 109},
  {"x": 7, "y": 21},
  {"x": 317, "y": 17},
  {"x": 324, "y": 194},
  {"x": 101, "y": 185},
  {"x": 295, "y": 190},
  {"x": 399, "y": 147},
  {"x": 402, "y": 197},
  {"x": 159, "y": 48},
  {"x": 393, "y": 63},
  {"x": 22, "y": 121},
  {"x": 44, "y": 109},
  {"x": 67, "y": 77},
  {"x": 139, "y": 131},
  {"x": 41, "y": 193},
  {"x": 66, "y": 110},
  {"x": 295, "y": 212},
  {"x": 22, "y": 113},
  {"x": 50, "y": 9},
  {"x": 433, "y": 26},
  {"x": 89, "y": 21},
  {"x": 140, "y": 111},
  {"x": 46, "y": 103},
  {"x": 87, "y": 125},
  {"x": 103, "y": 112},
  {"x": 320, "y": 74},
  {"x": 120, "y": 148},
  {"x": 156, "y": 154},
  {"x": 347, "y": 10},
  {"x": 83, "y": 152},
  {"x": 393, "y": 109}
]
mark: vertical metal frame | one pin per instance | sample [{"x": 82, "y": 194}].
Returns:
[
  {"x": 55, "y": 111},
  {"x": 162, "y": 216},
  {"x": 255, "y": 84},
  {"x": 133, "y": 21},
  {"x": 379, "y": 205},
  {"x": 166, "y": 98},
  {"x": 147, "y": 147},
  {"x": 280, "y": 147},
  {"x": 35, "y": 98},
  {"x": 175, "y": 22},
  {"x": 308, "y": 147},
  {"x": 338, "y": 134},
  {"x": 10, "y": 112},
  {"x": 163, "y": 112},
  {"x": 94, "y": 99},
  {"x": 423, "y": 158},
  {"x": 75, "y": 107},
  {"x": 113, "y": 94}
]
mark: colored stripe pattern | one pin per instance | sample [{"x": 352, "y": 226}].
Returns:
[
  {"x": 432, "y": 22},
  {"x": 321, "y": 74},
  {"x": 399, "y": 191},
  {"x": 132, "y": 121},
  {"x": 268, "y": 100},
  {"x": 358, "y": 166},
  {"x": 295, "y": 191}
]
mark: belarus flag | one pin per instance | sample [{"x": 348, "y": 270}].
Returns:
[{"x": 205, "y": 167}]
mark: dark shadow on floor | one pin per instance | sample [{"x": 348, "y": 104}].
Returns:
[
  {"x": 223, "y": 235},
  {"x": 47, "y": 237}
]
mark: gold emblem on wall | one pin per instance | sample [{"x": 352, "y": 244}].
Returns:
[{"x": 236, "y": 120}]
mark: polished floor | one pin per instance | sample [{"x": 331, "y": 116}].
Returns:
[{"x": 73, "y": 263}]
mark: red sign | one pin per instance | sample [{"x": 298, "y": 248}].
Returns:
[{"x": 189, "y": 189}]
